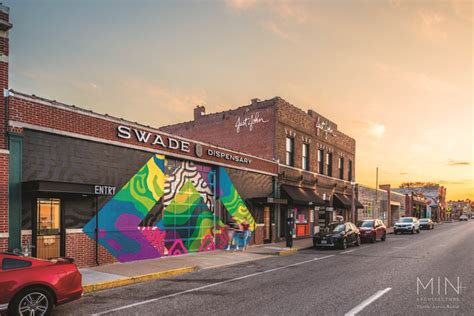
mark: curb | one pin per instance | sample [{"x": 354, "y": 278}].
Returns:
[
  {"x": 89, "y": 288},
  {"x": 291, "y": 251}
]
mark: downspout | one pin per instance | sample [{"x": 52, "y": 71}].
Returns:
[
  {"x": 6, "y": 94},
  {"x": 97, "y": 230}
]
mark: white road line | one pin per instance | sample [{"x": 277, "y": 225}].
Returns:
[
  {"x": 209, "y": 285},
  {"x": 367, "y": 302},
  {"x": 400, "y": 247},
  {"x": 347, "y": 251}
]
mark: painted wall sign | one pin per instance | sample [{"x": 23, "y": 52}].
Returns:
[
  {"x": 104, "y": 190},
  {"x": 146, "y": 137},
  {"x": 249, "y": 121},
  {"x": 227, "y": 156},
  {"x": 325, "y": 127}
]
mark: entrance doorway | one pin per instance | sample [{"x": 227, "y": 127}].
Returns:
[{"x": 47, "y": 232}]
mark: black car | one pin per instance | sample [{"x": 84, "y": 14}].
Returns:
[
  {"x": 426, "y": 223},
  {"x": 340, "y": 236}
]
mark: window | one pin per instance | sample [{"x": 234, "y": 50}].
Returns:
[
  {"x": 290, "y": 151},
  {"x": 305, "y": 157},
  {"x": 329, "y": 164},
  {"x": 349, "y": 171},
  {"x": 9, "y": 264},
  {"x": 320, "y": 161},
  {"x": 341, "y": 168}
]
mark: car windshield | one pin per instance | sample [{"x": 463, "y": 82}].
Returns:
[
  {"x": 424, "y": 220},
  {"x": 365, "y": 224},
  {"x": 406, "y": 220},
  {"x": 339, "y": 228}
]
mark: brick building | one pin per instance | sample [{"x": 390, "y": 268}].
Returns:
[
  {"x": 102, "y": 189},
  {"x": 316, "y": 161}
]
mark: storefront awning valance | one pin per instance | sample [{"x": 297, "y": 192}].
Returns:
[
  {"x": 268, "y": 200},
  {"x": 341, "y": 201},
  {"x": 67, "y": 188},
  {"x": 302, "y": 195}
]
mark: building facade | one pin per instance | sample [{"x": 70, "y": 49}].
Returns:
[
  {"x": 427, "y": 201},
  {"x": 316, "y": 161}
]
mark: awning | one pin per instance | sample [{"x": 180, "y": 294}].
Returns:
[
  {"x": 358, "y": 204},
  {"x": 341, "y": 201},
  {"x": 302, "y": 196},
  {"x": 63, "y": 187}
]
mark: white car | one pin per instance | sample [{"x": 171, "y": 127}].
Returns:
[
  {"x": 407, "y": 225},
  {"x": 463, "y": 218}
]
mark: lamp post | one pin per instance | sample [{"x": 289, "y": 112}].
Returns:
[
  {"x": 376, "y": 191},
  {"x": 353, "y": 208}
]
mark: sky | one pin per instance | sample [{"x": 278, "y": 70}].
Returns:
[{"x": 396, "y": 75}]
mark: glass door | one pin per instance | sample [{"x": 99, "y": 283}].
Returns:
[{"x": 48, "y": 228}]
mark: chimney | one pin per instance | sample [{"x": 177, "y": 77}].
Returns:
[
  {"x": 312, "y": 114},
  {"x": 255, "y": 101},
  {"x": 199, "y": 111}
]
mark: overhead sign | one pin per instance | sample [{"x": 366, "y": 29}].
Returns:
[
  {"x": 104, "y": 190},
  {"x": 155, "y": 139}
]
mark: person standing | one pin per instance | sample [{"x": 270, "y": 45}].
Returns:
[
  {"x": 231, "y": 224},
  {"x": 246, "y": 234}
]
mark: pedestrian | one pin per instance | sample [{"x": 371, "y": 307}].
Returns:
[
  {"x": 246, "y": 234},
  {"x": 231, "y": 232},
  {"x": 237, "y": 235}
]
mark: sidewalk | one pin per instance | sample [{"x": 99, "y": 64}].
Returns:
[{"x": 120, "y": 274}]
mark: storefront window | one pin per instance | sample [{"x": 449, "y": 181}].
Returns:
[{"x": 349, "y": 171}]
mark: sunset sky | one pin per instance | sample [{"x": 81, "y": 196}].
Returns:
[{"x": 395, "y": 75}]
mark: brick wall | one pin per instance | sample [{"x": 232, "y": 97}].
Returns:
[
  {"x": 220, "y": 129},
  {"x": 294, "y": 122},
  {"x": 82, "y": 249}
]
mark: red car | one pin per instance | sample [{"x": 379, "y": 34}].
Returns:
[
  {"x": 30, "y": 286},
  {"x": 372, "y": 229}
]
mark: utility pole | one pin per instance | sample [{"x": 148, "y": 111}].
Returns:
[{"x": 376, "y": 190}]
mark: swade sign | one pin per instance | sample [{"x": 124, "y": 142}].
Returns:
[{"x": 146, "y": 137}]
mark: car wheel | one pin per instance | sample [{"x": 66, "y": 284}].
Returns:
[
  {"x": 413, "y": 231},
  {"x": 373, "y": 239},
  {"x": 32, "y": 301},
  {"x": 357, "y": 241},
  {"x": 384, "y": 236},
  {"x": 418, "y": 231}
]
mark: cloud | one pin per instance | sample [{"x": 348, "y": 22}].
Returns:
[
  {"x": 458, "y": 163},
  {"x": 430, "y": 25},
  {"x": 241, "y": 4},
  {"x": 395, "y": 3},
  {"x": 275, "y": 29},
  {"x": 463, "y": 9},
  {"x": 370, "y": 128},
  {"x": 419, "y": 81},
  {"x": 403, "y": 173}
]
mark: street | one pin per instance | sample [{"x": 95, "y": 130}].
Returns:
[{"x": 386, "y": 278}]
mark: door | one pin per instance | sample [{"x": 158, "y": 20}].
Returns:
[{"x": 48, "y": 228}]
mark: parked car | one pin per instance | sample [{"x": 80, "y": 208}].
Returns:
[
  {"x": 472, "y": 216},
  {"x": 371, "y": 230},
  {"x": 463, "y": 218},
  {"x": 426, "y": 223},
  {"x": 407, "y": 224},
  {"x": 31, "y": 286},
  {"x": 341, "y": 236}
]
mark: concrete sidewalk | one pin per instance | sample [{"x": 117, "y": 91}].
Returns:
[{"x": 120, "y": 274}]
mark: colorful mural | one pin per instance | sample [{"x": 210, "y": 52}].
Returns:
[{"x": 167, "y": 208}]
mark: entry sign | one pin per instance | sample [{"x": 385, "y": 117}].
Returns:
[{"x": 104, "y": 190}]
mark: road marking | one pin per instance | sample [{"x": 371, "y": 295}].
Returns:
[
  {"x": 400, "y": 247},
  {"x": 210, "y": 285},
  {"x": 347, "y": 251},
  {"x": 367, "y": 302}
]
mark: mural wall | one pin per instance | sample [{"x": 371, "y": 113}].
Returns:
[{"x": 168, "y": 208}]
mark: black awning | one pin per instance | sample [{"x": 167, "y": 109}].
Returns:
[
  {"x": 302, "y": 196},
  {"x": 341, "y": 201},
  {"x": 358, "y": 204},
  {"x": 60, "y": 187}
]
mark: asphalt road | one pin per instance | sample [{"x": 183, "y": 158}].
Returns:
[{"x": 386, "y": 278}]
